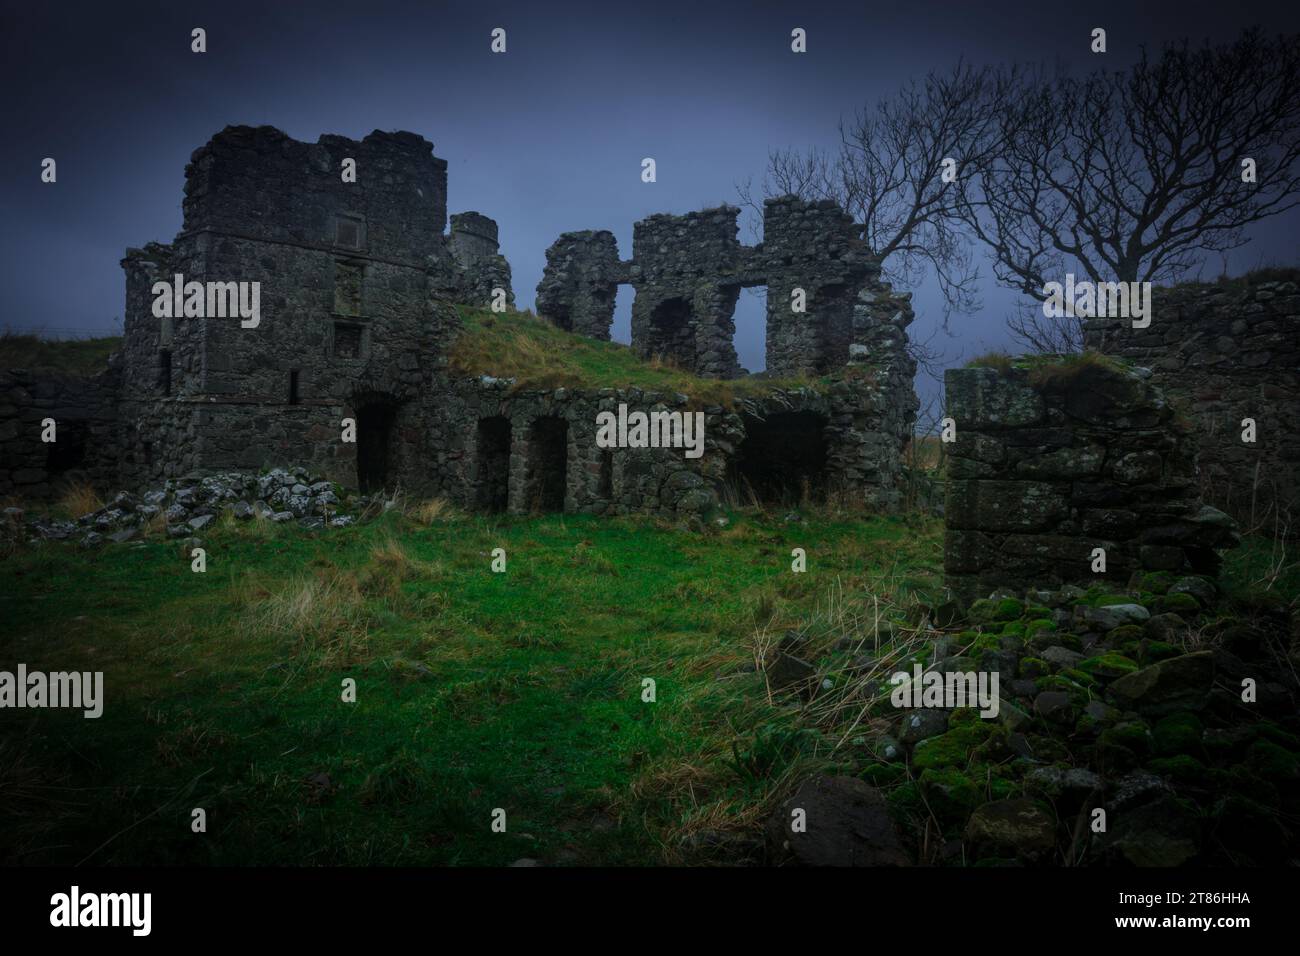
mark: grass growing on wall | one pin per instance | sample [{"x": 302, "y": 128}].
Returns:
[
  {"x": 537, "y": 354},
  {"x": 82, "y": 357}
]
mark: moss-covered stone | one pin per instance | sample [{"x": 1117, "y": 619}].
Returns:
[
  {"x": 1273, "y": 762},
  {"x": 884, "y": 774},
  {"x": 1180, "y": 603},
  {"x": 1155, "y": 582},
  {"x": 1036, "y": 625},
  {"x": 963, "y": 744},
  {"x": 1177, "y": 734},
  {"x": 1181, "y": 768},
  {"x": 950, "y": 794},
  {"x": 1033, "y": 667},
  {"x": 1045, "y": 639},
  {"x": 1080, "y": 677},
  {"x": 1124, "y": 745},
  {"x": 1271, "y": 731},
  {"x": 1152, "y": 652},
  {"x": 988, "y": 611},
  {"x": 1107, "y": 666},
  {"x": 1124, "y": 634}
]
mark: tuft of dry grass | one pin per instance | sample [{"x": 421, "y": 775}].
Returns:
[
  {"x": 80, "y": 499},
  {"x": 323, "y": 615},
  {"x": 430, "y": 511}
]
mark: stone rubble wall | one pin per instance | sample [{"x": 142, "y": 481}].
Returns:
[
  {"x": 1054, "y": 461},
  {"x": 1224, "y": 352},
  {"x": 856, "y": 413}
]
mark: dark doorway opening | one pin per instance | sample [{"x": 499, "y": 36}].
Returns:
[
  {"x": 671, "y": 333},
  {"x": 68, "y": 450},
  {"x": 493, "y": 464},
  {"x": 548, "y": 459},
  {"x": 782, "y": 460},
  {"x": 374, "y": 445}
]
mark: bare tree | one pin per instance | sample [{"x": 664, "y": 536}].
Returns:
[
  {"x": 887, "y": 172},
  {"x": 1136, "y": 175}
]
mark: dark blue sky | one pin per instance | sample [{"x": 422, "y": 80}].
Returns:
[{"x": 547, "y": 138}]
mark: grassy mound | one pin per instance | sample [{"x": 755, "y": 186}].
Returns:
[{"x": 536, "y": 354}]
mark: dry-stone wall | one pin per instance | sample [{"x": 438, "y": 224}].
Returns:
[
  {"x": 1223, "y": 353},
  {"x": 84, "y": 448},
  {"x": 1052, "y": 461}
]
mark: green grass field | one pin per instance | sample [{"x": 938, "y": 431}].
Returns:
[{"x": 475, "y": 690}]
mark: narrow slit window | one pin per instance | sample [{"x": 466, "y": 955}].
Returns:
[
  {"x": 165, "y": 371},
  {"x": 293, "y": 387}
]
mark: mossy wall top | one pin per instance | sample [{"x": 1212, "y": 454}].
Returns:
[{"x": 1053, "y": 460}]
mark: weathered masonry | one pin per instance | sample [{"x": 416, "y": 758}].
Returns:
[
  {"x": 1055, "y": 459},
  {"x": 353, "y": 281},
  {"x": 1223, "y": 353},
  {"x": 688, "y": 272},
  {"x": 357, "y": 283}
]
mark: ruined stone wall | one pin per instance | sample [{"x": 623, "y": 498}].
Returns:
[
  {"x": 812, "y": 246},
  {"x": 1054, "y": 460},
  {"x": 688, "y": 272},
  {"x": 580, "y": 282},
  {"x": 259, "y": 183},
  {"x": 85, "y": 447},
  {"x": 489, "y": 446},
  {"x": 1222, "y": 353}
]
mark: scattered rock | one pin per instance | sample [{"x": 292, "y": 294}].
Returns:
[
  {"x": 1180, "y": 683},
  {"x": 847, "y": 824},
  {"x": 1017, "y": 828}
]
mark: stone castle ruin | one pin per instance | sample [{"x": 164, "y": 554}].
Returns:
[{"x": 358, "y": 285}]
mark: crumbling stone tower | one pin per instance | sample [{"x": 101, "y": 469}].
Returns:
[{"x": 352, "y": 277}]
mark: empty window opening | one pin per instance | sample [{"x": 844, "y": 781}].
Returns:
[
  {"x": 605, "y": 479},
  {"x": 781, "y": 461},
  {"x": 750, "y": 338},
  {"x": 621, "y": 328},
  {"x": 348, "y": 282},
  {"x": 68, "y": 450},
  {"x": 165, "y": 371},
  {"x": 148, "y": 453},
  {"x": 347, "y": 340},
  {"x": 548, "y": 458},
  {"x": 374, "y": 445},
  {"x": 493, "y": 464},
  {"x": 672, "y": 333},
  {"x": 294, "y": 398},
  {"x": 347, "y": 233}
]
